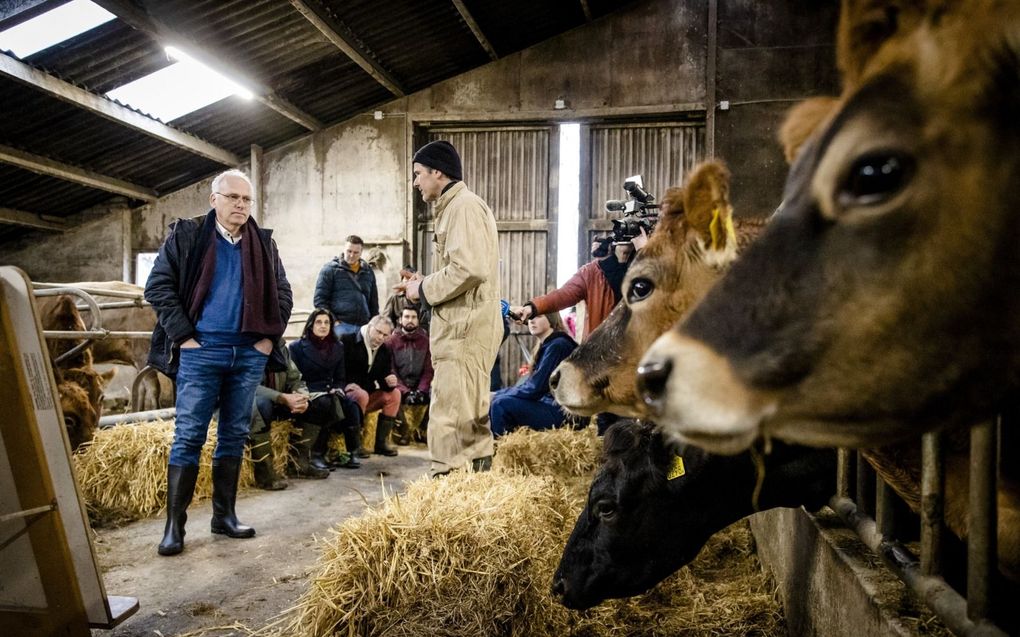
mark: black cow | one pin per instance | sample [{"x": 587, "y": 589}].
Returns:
[{"x": 653, "y": 505}]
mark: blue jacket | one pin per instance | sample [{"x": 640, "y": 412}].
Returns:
[
  {"x": 556, "y": 347},
  {"x": 352, "y": 298}
]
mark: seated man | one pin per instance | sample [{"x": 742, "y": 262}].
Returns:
[
  {"x": 282, "y": 395},
  {"x": 412, "y": 365},
  {"x": 370, "y": 379},
  {"x": 530, "y": 403}
]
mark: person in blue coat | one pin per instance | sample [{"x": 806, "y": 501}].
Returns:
[{"x": 530, "y": 404}]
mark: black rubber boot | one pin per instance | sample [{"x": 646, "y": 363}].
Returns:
[
  {"x": 303, "y": 467},
  {"x": 225, "y": 473},
  {"x": 481, "y": 464},
  {"x": 352, "y": 438},
  {"x": 402, "y": 432},
  {"x": 180, "y": 486},
  {"x": 382, "y": 436},
  {"x": 262, "y": 463}
]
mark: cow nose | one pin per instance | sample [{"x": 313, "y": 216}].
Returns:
[
  {"x": 652, "y": 378},
  {"x": 554, "y": 379},
  {"x": 559, "y": 587}
]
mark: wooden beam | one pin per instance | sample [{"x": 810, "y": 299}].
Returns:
[
  {"x": 14, "y": 217},
  {"x": 208, "y": 55},
  {"x": 587, "y": 10},
  {"x": 13, "y": 12},
  {"x": 257, "y": 182},
  {"x": 113, "y": 111},
  {"x": 477, "y": 30},
  {"x": 342, "y": 38},
  {"x": 67, "y": 172}
]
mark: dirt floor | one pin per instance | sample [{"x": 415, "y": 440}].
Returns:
[{"x": 218, "y": 581}]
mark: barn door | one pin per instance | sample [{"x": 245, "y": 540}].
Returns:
[
  {"x": 662, "y": 153},
  {"x": 512, "y": 168}
]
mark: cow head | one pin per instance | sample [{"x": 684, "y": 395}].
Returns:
[
  {"x": 694, "y": 241},
  {"x": 61, "y": 314},
  {"x": 652, "y": 506},
  {"x": 81, "y": 393},
  {"x": 881, "y": 301}
]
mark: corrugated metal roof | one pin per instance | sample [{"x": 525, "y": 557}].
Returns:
[{"x": 270, "y": 43}]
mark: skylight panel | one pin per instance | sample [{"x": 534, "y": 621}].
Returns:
[
  {"x": 178, "y": 89},
  {"x": 54, "y": 26}
]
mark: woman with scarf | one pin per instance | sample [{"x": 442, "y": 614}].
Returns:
[{"x": 319, "y": 355}]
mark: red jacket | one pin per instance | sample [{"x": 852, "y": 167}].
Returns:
[
  {"x": 412, "y": 360},
  {"x": 588, "y": 284}
]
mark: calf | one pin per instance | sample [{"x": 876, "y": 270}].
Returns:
[
  {"x": 652, "y": 506},
  {"x": 880, "y": 303},
  {"x": 693, "y": 244}
]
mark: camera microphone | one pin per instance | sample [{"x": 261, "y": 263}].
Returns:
[{"x": 615, "y": 205}]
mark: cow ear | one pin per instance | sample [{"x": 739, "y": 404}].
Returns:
[
  {"x": 709, "y": 213},
  {"x": 866, "y": 25},
  {"x": 802, "y": 121},
  {"x": 106, "y": 377}
]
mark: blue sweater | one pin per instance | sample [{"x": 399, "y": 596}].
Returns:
[
  {"x": 220, "y": 322},
  {"x": 554, "y": 349}
]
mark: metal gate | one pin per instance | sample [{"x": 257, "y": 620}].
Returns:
[{"x": 514, "y": 170}]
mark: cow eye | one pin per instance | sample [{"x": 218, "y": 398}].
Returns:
[
  {"x": 639, "y": 290},
  {"x": 605, "y": 510},
  {"x": 875, "y": 178}
]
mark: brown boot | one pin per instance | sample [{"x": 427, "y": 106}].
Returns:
[
  {"x": 262, "y": 463},
  {"x": 303, "y": 467}
]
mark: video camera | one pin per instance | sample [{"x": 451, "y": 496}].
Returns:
[{"x": 639, "y": 211}]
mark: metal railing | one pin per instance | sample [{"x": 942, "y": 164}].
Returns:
[{"x": 866, "y": 505}]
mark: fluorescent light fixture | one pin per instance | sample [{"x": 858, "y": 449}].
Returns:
[
  {"x": 54, "y": 26},
  {"x": 176, "y": 90},
  {"x": 569, "y": 202}
]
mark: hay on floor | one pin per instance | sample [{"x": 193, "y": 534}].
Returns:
[
  {"x": 122, "y": 471},
  {"x": 458, "y": 555},
  {"x": 474, "y": 554}
]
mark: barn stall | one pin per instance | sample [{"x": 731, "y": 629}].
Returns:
[{"x": 343, "y": 94}]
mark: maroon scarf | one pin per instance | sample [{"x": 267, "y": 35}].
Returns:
[{"x": 260, "y": 310}]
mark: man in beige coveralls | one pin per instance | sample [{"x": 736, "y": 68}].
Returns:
[{"x": 466, "y": 324}]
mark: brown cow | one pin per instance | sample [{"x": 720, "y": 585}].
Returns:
[
  {"x": 79, "y": 385},
  {"x": 692, "y": 245},
  {"x": 880, "y": 302}
]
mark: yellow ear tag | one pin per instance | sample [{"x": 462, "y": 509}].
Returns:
[
  {"x": 676, "y": 469},
  {"x": 716, "y": 232}
]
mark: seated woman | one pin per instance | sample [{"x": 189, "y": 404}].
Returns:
[
  {"x": 319, "y": 356},
  {"x": 530, "y": 403}
]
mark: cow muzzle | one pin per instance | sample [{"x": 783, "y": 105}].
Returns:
[{"x": 694, "y": 395}]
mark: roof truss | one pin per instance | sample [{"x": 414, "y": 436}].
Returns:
[{"x": 51, "y": 168}]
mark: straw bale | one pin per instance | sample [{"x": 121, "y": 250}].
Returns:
[
  {"x": 558, "y": 453},
  {"x": 470, "y": 554},
  {"x": 122, "y": 471}
]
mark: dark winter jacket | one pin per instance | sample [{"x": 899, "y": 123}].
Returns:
[
  {"x": 351, "y": 297},
  {"x": 554, "y": 349},
  {"x": 412, "y": 361},
  {"x": 368, "y": 378},
  {"x": 172, "y": 283},
  {"x": 321, "y": 370}
]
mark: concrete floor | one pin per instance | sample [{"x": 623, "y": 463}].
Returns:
[{"x": 217, "y": 581}]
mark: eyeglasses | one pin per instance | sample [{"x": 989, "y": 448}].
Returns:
[{"x": 247, "y": 201}]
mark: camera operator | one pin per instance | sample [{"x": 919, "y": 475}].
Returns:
[{"x": 597, "y": 284}]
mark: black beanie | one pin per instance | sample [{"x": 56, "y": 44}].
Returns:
[{"x": 440, "y": 155}]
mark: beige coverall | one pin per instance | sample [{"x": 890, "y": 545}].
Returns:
[{"x": 466, "y": 328}]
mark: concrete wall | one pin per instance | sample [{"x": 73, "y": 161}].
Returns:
[{"x": 648, "y": 60}]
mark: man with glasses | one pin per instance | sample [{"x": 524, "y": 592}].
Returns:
[
  {"x": 222, "y": 299},
  {"x": 371, "y": 381}
]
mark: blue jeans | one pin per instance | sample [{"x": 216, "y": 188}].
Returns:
[
  {"x": 221, "y": 375},
  {"x": 506, "y": 413},
  {"x": 345, "y": 328}
]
